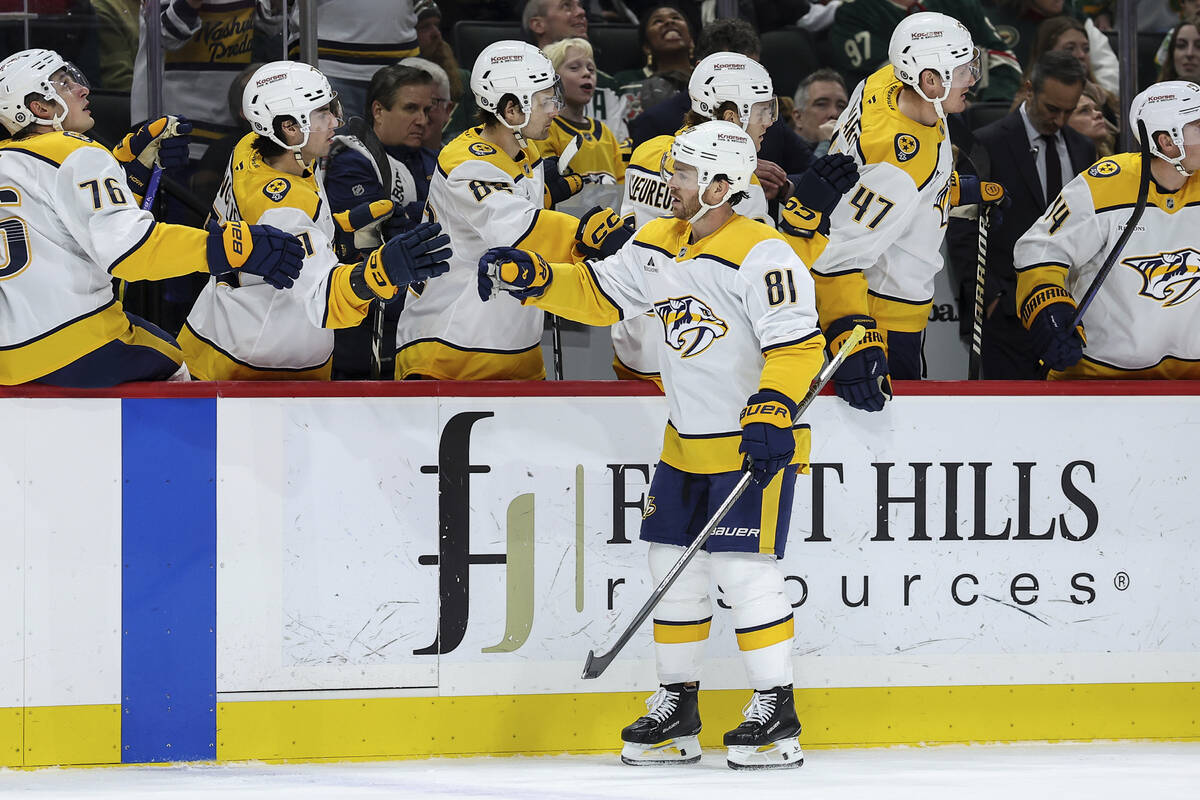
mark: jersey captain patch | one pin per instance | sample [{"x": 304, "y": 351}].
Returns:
[
  {"x": 1171, "y": 278},
  {"x": 906, "y": 146},
  {"x": 481, "y": 149},
  {"x": 277, "y": 188},
  {"x": 689, "y": 324},
  {"x": 1104, "y": 169}
]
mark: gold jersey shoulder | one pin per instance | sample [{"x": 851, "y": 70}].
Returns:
[
  {"x": 648, "y": 155},
  {"x": 54, "y": 146},
  {"x": 1114, "y": 182},
  {"x": 730, "y": 243},
  {"x": 260, "y": 187},
  {"x": 471, "y": 146},
  {"x": 888, "y": 135}
]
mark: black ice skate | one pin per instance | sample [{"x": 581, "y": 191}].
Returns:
[
  {"x": 667, "y": 734},
  {"x": 767, "y": 739}
]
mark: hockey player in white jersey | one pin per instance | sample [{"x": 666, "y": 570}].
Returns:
[
  {"x": 238, "y": 329},
  {"x": 738, "y": 340},
  {"x": 885, "y": 235},
  {"x": 737, "y": 89},
  {"x": 1144, "y": 321},
  {"x": 488, "y": 190},
  {"x": 70, "y": 225}
]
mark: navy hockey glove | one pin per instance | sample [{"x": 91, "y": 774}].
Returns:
[
  {"x": 1046, "y": 313},
  {"x": 412, "y": 257},
  {"x": 821, "y": 187},
  {"x": 519, "y": 272},
  {"x": 601, "y": 232},
  {"x": 163, "y": 141},
  {"x": 967, "y": 190},
  {"x": 559, "y": 187},
  {"x": 261, "y": 250},
  {"x": 862, "y": 379},
  {"x": 767, "y": 438},
  {"x": 364, "y": 215}
]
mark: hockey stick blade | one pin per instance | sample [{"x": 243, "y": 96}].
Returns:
[{"x": 595, "y": 665}]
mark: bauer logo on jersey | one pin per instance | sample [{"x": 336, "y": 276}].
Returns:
[
  {"x": 1170, "y": 278},
  {"x": 1104, "y": 169},
  {"x": 277, "y": 188},
  {"x": 906, "y": 146},
  {"x": 481, "y": 149},
  {"x": 689, "y": 325}
]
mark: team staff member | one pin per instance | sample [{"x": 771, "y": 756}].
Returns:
[
  {"x": 70, "y": 225},
  {"x": 238, "y": 330}
]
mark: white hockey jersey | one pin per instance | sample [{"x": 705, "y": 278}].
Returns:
[
  {"x": 886, "y": 234},
  {"x": 482, "y": 198},
  {"x": 734, "y": 313},
  {"x": 70, "y": 225},
  {"x": 244, "y": 329},
  {"x": 1145, "y": 320},
  {"x": 202, "y": 54},
  {"x": 646, "y": 197}
]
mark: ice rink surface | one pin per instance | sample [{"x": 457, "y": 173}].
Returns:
[{"x": 1128, "y": 771}]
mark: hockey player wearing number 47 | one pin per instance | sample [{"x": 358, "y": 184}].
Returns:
[
  {"x": 739, "y": 343},
  {"x": 1144, "y": 321},
  {"x": 71, "y": 224}
]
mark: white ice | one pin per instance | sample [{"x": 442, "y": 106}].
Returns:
[{"x": 1101, "y": 771}]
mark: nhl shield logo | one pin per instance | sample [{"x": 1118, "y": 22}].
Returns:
[
  {"x": 689, "y": 325},
  {"x": 1104, "y": 169},
  {"x": 277, "y": 188},
  {"x": 1171, "y": 278},
  {"x": 906, "y": 146}
]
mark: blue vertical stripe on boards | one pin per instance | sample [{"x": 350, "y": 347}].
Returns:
[{"x": 168, "y": 579}]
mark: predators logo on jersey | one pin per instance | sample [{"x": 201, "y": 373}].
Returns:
[
  {"x": 689, "y": 325},
  {"x": 1171, "y": 278},
  {"x": 277, "y": 189},
  {"x": 1104, "y": 169},
  {"x": 906, "y": 146},
  {"x": 480, "y": 149}
]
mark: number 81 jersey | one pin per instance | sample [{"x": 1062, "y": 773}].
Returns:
[{"x": 886, "y": 233}]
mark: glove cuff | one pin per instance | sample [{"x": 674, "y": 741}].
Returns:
[
  {"x": 769, "y": 406},
  {"x": 370, "y": 281},
  {"x": 228, "y": 246},
  {"x": 839, "y": 331},
  {"x": 1041, "y": 298}
]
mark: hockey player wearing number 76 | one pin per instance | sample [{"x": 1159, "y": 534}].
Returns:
[
  {"x": 739, "y": 348},
  {"x": 71, "y": 224}
]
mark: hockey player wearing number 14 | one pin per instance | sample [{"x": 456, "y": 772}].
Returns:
[
  {"x": 739, "y": 341},
  {"x": 1144, "y": 321},
  {"x": 70, "y": 225}
]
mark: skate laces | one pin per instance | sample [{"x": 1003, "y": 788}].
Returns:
[
  {"x": 661, "y": 704},
  {"x": 760, "y": 708}
]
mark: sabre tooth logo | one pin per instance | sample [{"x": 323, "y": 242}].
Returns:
[
  {"x": 1171, "y": 278},
  {"x": 689, "y": 325}
]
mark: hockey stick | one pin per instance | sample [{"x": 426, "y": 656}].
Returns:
[
  {"x": 975, "y": 365},
  {"x": 1143, "y": 194},
  {"x": 147, "y": 204},
  {"x": 556, "y": 345},
  {"x": 596, "y": 664},
  {"x": 377, "y": 341}
]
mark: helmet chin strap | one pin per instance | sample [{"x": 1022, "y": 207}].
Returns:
[
  {"x": 516, "y": 129},
  {"x": 704, "y": 207},
  {"x": 937, "y": 101}
]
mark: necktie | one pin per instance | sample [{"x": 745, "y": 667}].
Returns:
[{"x": 1053, "y": 168}]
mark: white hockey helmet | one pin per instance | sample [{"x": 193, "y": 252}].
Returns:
[
  {"x": 286, "y": 89},
  {"x": 733, "y": 78},
  {"x": 929, "y": 40},
  {"x": 715, "y": 148},
  {"x": 1166, "y": 106},
  {"x": 516, "y": 68},
  {"x": 29, "y": 72}
]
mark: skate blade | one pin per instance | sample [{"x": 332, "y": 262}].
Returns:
[
  {"x": 680, "y": 750},
  {"x": 783, "y": 754}
]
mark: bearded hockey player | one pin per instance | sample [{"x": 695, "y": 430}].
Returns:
[
  {"x": 71, "y": 224},
  {"x": 739, "y": 346},
  {"x": 737, "y": 89},
  {"x": 885, "y": 235},
  {"x": 488, "y": 190},
  {"x": 238, "y": 329},
  {"x": 1140, "y": 324}
]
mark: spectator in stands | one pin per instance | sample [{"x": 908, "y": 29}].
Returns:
[
  {"x": 1018, "y": 21},
  {"x": 820, "y": 100},
  {"x": 665, "y": 36},
  {"x": 117, "y": 37},
  {"x": 444, "y": 110},
  {"x": 1070, "y": 35},
  {"x": 1184, "y": 47},
  {"x": 599, "y": 155},
  {"x": 862, "y": 29},
  {"x": 454, "y": 108},
  {"x": 1186, "y": 8},
  {"x": 1033, "y": 154},
  {"x": 1088, "y": 119},
  {"x": 820, "y": 16}
]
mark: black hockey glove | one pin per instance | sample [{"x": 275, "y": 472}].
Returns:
[
  {"x": 412, "y": 257},
  {"x": 767, "y": 438},
  {"x": 559, "y": 187},
  {"x": 601, "y": 232},
  {"x": 261, "y": 250},
  {"x": 862, "y": 379},
  {"x": 1047, "y": 313},
  {"x": 521, "y": 273},
  {"x": 821, "y": 187}
]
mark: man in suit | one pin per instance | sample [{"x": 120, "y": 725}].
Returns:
[{"x": 1033, "y": 153}]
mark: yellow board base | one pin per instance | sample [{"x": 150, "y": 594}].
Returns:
[{"x": 42, "y": 736}]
